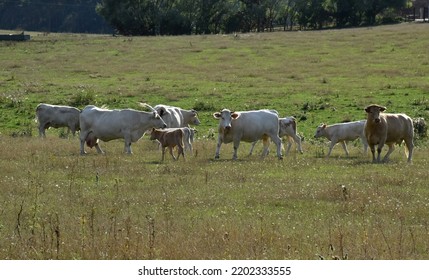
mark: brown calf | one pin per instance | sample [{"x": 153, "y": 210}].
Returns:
[{"x": 169, "y": 138}]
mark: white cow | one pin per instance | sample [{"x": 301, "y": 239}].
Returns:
[
  {"x": 57, "y": 116},
  {"x": 248, "y": 126},
  {"x": 176, "y": 117},
  {"x": 128, "y": 124},
  {"x": 342, "y": 132},
  {"x": 389, "y": 129},
  {"x": 287, "y": 127}
]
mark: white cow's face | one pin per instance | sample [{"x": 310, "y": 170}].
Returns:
[
  {"x": 374, "y": 111},
  {"x": 159, "y": 122},
  {"x": 320, "y": 131},
  {"x": 225, "y": 117},
  {"x": 194, "y": 119}
]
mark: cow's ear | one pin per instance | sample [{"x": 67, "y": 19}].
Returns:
[
  {"x": 235, "y": 115},
  {"x": 217, "y": 115},
  {"x": 324, "y": 125},
  {"x": 382, "y": 109},
  {"x": 161, "y": 111},
  {"x": 194, "y": 112},
  {"x": 367, "y": 109}
]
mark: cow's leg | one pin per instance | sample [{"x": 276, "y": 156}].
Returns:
[
  {"x": 188, "y": 145},
  {"x": 331, "y": 146},
  {"x": 82, "y": 147},
  {"x": 99, "y": 150},
  {"x": 297, "y": 140},
  {"x": 391, "y": 149},
  {"x": 127, "y": 147},
  {"x": 372, "y": 148},
  {"x": 219, "y": 143},
  {"x": 252, "y": 147},
  {"x": 83, "y": 137},
  {"x": 170, "y": 148},
  {"x": 163, "y": 153},
  {"x": 276, "y": 139},
  {"x": 410, "y": 146},
  {"x": 236, "y": 145},
  {"x": 379, "y": 148},
  {"x": 344, "y": 144},
  {"x": 266, "y": 143},
  {"x": 42, "y": 130},
  {"x": 180, "y": 151},
  {"x": 289, "y": 145},
  {"x": 68, "y": 131}
]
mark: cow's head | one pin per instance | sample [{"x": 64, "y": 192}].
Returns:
[
  {"x": 373, "y": 112},
  {"x": 159, "y": 122},
  {"x": 226, "y": 116},
  {"x": 194, "y": 117},
  {"x": 320, "y": 130},
  {"x": 153, "y": 134}
]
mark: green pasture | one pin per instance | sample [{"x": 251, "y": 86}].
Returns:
[{"x": 56, "y": 204}]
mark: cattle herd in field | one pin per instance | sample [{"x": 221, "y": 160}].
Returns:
[{"x": 170, "y": 126}]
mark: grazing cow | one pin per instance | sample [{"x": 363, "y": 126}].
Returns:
[
  {"x": 248, "y": 126},
  {"x": 57, "y": 116},
  {"x": 170, "y": 138},
  {"x": 342, "y": 132},
  {"x": 287, "y": 127},
  {"x": 390, "y": 129},
  {"x": 176, "y": 117},
  {"x": 128, "y": 124}
]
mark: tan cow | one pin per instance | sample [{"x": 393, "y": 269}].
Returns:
[
  {"x": 169, "y": 138},
  {"x": 389, "y": 129}
]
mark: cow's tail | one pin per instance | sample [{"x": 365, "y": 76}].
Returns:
[
  {"x": 36, "y": 118},
  {"x": 407, "y": 152},
  {"x": 293, "y": 123}
]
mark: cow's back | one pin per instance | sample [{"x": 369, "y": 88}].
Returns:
[
  {"x": 172, "y": 115},
  {"x": 399, "y": 127},
  {"x": 253, "y": 125},
  {"x": 58, "y": 115}
]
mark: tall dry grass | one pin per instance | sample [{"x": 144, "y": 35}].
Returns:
[{"x": 56, "y": 204}]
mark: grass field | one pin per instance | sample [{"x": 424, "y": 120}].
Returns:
[{"x": 56, "y": 204}]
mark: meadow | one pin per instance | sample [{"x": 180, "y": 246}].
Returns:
[{"x": 56, "y": 204}]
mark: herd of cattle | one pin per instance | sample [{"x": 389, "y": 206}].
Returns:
[{"x": 171, "y": 127}]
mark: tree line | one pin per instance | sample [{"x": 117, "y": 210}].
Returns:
[
  {"x": 77, "y": 16},
  {"x": 175, "y": 17}
]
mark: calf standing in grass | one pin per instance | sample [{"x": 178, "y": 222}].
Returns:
[
  {"x": 287, "y": 127},
  {"x": 389, "y": 129},
  {"x": 342, "y": 132},
  {"x": 169, "y": 138}
]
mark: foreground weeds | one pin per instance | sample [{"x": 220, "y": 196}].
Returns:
[{"x": 56, "y": 204}]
